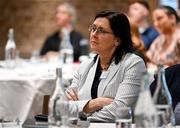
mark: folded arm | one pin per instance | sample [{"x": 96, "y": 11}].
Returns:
[
  {"x": 92, "y": 105},
  {"x": 126, "y": 94}
]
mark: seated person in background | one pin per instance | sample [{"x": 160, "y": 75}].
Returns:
[
  {"x": 139, "y": 12},
  {"x": 166, "y": 48},
  {"x": 137, "y": 41},
  {"x": 112, "y": 79},
  {"x": 66, "y": 36},
  {"x": 172, "y": 74}
]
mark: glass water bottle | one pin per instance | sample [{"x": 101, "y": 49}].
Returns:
[
  {"x": 163, "y": 100},
  {"x": 10, "y": 50},
  {"x": 58, "y": 104},
  {"x": 66, "y": 48},
  {"x": 145, "y": 111}
]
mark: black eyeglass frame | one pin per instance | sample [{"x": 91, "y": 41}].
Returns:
[{"x": 98, "y": 30}]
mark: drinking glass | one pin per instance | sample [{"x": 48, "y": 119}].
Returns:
[
  {"x": 166, "y": 114},
  {"x": 161, "y": 119},
  {"x": 34, "y": 56},
  {"x": 62, "y": 113},
  {"x": 124, "y": 117},
  {"x": 73, "y": 115}
]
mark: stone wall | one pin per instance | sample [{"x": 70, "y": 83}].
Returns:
[{"x": 33, "y": 20}]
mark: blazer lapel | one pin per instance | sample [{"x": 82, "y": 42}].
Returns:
[
  {"x": 88, "y": 82},
  {"x": 110, "y": 74}
]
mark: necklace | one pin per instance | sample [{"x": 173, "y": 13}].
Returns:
[{"x": 104, "y": 67}]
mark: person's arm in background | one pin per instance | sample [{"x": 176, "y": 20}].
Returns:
[
  {"x": 46, "y": 52},
  {"x": 149, "y": 36},
  {"x": 44, "y": 48},
  {"x": 50, "y": 47},
  {"x": 150, "y": 53}
]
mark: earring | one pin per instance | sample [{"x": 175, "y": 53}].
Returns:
[{"x": 117, "y": 43}]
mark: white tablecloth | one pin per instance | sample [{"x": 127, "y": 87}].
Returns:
[
  {"x": 22, "y": 90},
  {"x": 102, "y": 125},
  {"x": 24, "y": 87},
  {"x": 92, "y": 125},
  {"x": 108, "y": 125},
  {"x": 23, "y": 97}
]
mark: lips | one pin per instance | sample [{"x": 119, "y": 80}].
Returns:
[{"x": 93, "y": 42}]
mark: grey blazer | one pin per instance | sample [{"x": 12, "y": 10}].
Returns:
[{"x": 121, "y": 82}]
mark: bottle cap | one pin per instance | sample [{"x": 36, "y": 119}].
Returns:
[{"x": 11, "y": 33}]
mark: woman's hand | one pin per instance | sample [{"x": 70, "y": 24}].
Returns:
[
  {"x": 97, "y": 104},
  {"x": 72, "y": 94}
]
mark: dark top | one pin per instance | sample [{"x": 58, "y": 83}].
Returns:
[
  {"x": 80, "y": 46},
  {"x": 173, "y": 81},
  {"x": 148, "y": 36},
  {"x": 96, "y": 81}
]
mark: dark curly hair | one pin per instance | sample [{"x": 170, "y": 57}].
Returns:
[{"x": 120, "y": 26}]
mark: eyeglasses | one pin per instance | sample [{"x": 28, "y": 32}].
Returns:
[{"x": 100, "y": 30}]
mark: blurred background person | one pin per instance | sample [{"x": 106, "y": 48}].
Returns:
[
  {"x": 166, "y": 48},
  {"x": 66, "y": 36},
  {"x": 139, "y": 13},
  {"x": 138, "y": 44},
  {"x": 172, "y": 75}
]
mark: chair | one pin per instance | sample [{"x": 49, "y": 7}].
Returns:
[{"x": 45, "y": 104}]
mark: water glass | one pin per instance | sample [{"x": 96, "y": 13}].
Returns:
[
  {"x": 124, "y": 117},
  {"x": 66, "y": 56},
  {"x": 161, "y": 119},
  {"x": 164, "y": 115},
  {"x": 73, "y": 115},
  {"x": 35, "y": 56},
  {"x": 61, "y": 113}
]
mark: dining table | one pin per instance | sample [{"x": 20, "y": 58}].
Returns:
[
  {"x": 86, "y": 124},
  {"x": 23, "y": 88}
]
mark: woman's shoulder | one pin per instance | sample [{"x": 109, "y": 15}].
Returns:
[
  {"x": 86, "y": 63},
  {"x": 157, "y": 43},
  {"x": 133, "y": 61},
  {"x": 131, "y": 57}
]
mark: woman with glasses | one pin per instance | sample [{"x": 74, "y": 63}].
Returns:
[{"x": 112, "y": 78}]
